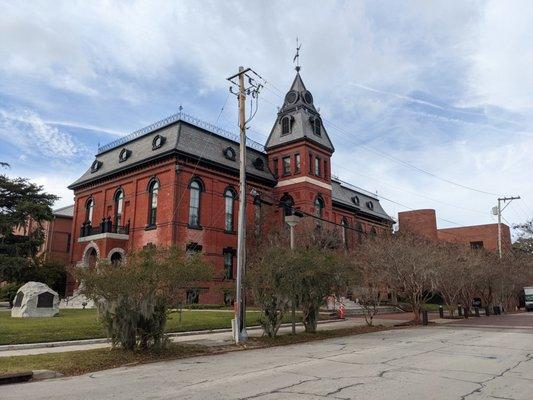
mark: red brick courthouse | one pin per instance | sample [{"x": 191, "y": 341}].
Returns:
[{"x": 176, "y": 182}]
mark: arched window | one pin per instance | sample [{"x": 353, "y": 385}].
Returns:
[
  {"x": 195, "y": 188},
  {"x": 89, "y": 206},
  {"x": 116, "y": 259},
  {"x": 360, "y": 231},
  {"x": 229, "y": 200},
  {"x": 319, "y": 207},
  {"x": 285, "y": 125},
  {"x": 287, "y": 203},
  {"x": 119, "y": 205},
  {"x": 316, "y": 127},
  {"x": 344, "y": 224},
  {"x": 373, "y": 231},
  {"x": 153, "y": 192}
]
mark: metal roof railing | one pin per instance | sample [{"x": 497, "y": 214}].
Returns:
[{"x": 180, "y": 116}]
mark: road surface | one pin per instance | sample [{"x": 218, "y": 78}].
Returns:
[{"x": 450, "y": 361}]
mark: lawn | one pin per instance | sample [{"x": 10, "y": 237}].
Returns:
[
  {"x": 83, "y": 324},
  {"x": 79, "y": 362}
]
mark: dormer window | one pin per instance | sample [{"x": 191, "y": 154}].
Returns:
[
  {"x": 316, "y": 125},
  {"x": 355, "y": 200},
  {"x": 229, "y": 153},
  {"x": 124, "y": 155},
  {"x": 285, "y": 125},
  {"x": 95, "y": 166},
  {"x": 370, "y": 205},
  {"x": 158, "y": 142},
  {"x": 259, "y": 164}
]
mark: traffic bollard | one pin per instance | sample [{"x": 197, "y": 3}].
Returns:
[
  {"x": 424, "y": 317},
  {"x": 441, "y": 312}
]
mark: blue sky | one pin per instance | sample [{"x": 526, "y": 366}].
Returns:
[{"x": 444, "y": 86}]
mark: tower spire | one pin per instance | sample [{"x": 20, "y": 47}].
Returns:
[{"x": 297, "y": 55}]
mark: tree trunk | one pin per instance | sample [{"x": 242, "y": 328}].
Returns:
[{"x": 311, "y": 318}]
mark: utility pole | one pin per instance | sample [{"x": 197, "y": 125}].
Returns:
[
  {"x": 240, "y": 304},
  {"x": 498, "y": 211}
]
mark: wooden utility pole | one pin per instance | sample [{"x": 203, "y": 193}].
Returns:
[
  {"x": 240, "y": 315},
  {"x": 240, "y": 300},
  {"x": 499, "y": 211}
]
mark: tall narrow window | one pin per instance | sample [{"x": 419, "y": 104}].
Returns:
[
  {"x": 319, "y": 207},
  {"x": 285, "y": 126},
  {"x": 89, "y": 210},
  {"x": 325, "y": 169},
  {"x": 229, "y": 199},
  {"x": 310, "y": 163},
  {"x": 344, "y": 224},
  {"x": 195, "y": 189},
  {"x": 153, "y": 192},
  {"x": 257, "y": 218},
  {"x": 317, "y": 166},
  {"x": 287, "y": 203},
  {"x": 286, "y": 162},
  {"x": 275, "y": 161},
  {"x": 228, "y": 263},
  {"x": 297, "y": 163},
  {"x": 360, "y": 231},
  {"x": 316, "y": 127},
  {"x": 119, "y": 202}
]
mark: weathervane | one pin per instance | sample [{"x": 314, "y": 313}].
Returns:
[{"x": 297, "y": 55}]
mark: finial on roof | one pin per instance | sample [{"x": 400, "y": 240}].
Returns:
[
  {"x": 180, "y": 108},
  {"x": 297, "y": 55}
]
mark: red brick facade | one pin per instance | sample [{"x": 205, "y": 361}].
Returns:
[
  {"x": 424, "y": 223},
  {"x": 304, "y": 181}
]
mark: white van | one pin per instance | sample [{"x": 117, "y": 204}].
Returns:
[{"x": 528, "y": 291}]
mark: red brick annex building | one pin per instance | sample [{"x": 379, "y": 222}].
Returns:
[{"x": 176, "y": 182}]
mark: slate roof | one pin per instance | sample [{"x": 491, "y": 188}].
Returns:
[
  {"x": 343, "y": 196},
  {"x": 301, "y": 112},
  {"x": 181, "y": 137},
  {"x": 67, "y": 211}
]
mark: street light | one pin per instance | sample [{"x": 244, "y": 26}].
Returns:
[{"x": 292, "y": 220}]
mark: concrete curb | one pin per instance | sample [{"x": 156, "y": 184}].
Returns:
[{"x": 27, "y": 346}]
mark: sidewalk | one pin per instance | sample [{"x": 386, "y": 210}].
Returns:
[{"x": 217, "y": 337}]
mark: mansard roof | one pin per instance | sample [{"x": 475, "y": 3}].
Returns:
[
  {"x": 357, "y": 201},
  {"x": 182, "y": 135},
  {"x": 299, "y": 107}
]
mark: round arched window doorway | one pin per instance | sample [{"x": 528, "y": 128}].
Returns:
[
  {"x": 116, "y": 259},
  {"x": 91, "y": 258}
]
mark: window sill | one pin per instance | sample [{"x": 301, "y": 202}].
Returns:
[
  {"x": 197, "y": 227},
  {"x": 150, "y": 227},
  {"x": 230, "y": 232}
]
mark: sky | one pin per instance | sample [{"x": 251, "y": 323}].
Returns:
[{"x": 429, "y": 104}]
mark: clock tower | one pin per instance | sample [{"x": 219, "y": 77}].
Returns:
[{"x": 299, "y": 152}]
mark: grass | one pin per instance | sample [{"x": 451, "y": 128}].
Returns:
[
  {"x": 80, "y": 362},
  {"x": 83, "y": 324}
]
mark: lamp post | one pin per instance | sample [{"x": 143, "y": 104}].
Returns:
[{"x": 292, "y": 221}]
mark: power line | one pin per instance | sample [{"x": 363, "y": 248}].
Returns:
[{"x": 402, "y": 162}]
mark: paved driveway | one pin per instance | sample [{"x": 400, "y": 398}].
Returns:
[{"x": 444, "y": 362}]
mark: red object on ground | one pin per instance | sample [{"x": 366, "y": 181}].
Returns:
[{"x": 341, "y": 312}]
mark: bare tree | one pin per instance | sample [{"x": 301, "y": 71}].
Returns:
[{"x": 408, "y": 264}]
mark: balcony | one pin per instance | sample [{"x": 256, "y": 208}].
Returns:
[{"x": 105, "y": 230}]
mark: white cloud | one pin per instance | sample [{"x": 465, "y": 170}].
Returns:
[
  {"x": 420, "y": 65},
  {"x": 27, "y": 131}
]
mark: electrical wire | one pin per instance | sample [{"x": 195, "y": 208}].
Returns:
[{"x": 402, "y": 162}]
